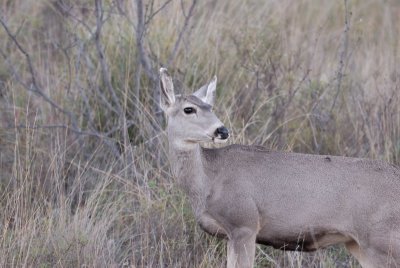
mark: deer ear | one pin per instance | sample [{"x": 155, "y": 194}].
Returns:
[
  {"x": 207, "y": 92},
  {"x": 167, "y": 96}
]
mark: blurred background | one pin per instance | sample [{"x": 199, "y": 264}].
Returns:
[{"x": 84, "y": 173}]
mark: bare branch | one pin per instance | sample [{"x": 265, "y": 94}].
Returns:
[
  {"x": 34, "y": 86},
  {"x": 104, "y": 67},
  {"x": 151, "y": 16},
  {"x": 147, "y": 66},
  {"x": 181, "y": 33},
  {"x": 67, "y": 10},
  {"x": 22, "y": 50},
  {"x": 293, "y": 93},
  {"x": 140, "y": 31},
  {"x": 104, "y": 137},
  {"x": 343, "y": 52}
]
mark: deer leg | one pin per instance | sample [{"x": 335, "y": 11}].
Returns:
[
  {"x": 241, "y": 248},
  {"x": 384, "y": 253},
  {"x": 357, "y": 253},
  {"x": 376, "y": 255}
]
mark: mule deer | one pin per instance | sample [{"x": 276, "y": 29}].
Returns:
[{"x": 290, "y": 201}]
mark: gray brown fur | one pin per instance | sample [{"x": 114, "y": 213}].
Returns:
[{"x": 290, "y": 201}]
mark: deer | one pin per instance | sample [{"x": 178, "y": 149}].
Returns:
[{"x": 251, "y": 195}]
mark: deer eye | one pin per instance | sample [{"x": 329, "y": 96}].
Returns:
[{"x": 189, "y": 110}]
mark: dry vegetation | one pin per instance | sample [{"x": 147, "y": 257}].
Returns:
[{"x": 85, "y": 180}]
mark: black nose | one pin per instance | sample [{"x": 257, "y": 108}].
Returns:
[{"x": 222, "y": 132}]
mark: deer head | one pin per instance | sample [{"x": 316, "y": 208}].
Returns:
[{"x": 190, "y": 118}]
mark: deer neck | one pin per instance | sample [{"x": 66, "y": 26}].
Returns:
[{"x": 187, "y": 167}]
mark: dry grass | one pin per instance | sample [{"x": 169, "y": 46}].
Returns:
[{"x": 84, "y": 178}]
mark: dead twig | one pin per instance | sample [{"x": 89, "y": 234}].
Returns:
[
  {"x": 152, "y": 15},
  {"x": 104, "y": 67},
  {"x": 22, "y": 50},
  {"x": 140, "y": 32},
  {"x": 33, "y": 86},
  {"x": 102, "y": 135},
  {"x": 343, "y": 52},
  {"x": 147, "y": 65},
  {"x": 182, "y": 31}
]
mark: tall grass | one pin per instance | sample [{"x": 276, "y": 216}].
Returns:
[{"x": 85, "y": 179}]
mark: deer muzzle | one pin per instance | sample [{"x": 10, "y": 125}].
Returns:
[{"x": 222, "y": 133}]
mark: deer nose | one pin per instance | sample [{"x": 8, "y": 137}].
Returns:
[{"x": 222, "y": 132}]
